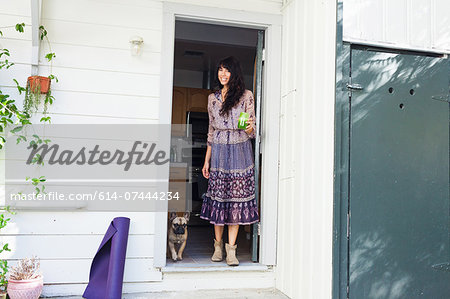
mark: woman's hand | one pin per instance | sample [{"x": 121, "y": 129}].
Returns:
[
  {"x": 205, "y": 170},
  {"x": 250, "y": 125}
]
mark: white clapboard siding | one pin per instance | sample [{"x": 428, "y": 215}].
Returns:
[
  {"x": 105, "y": 82},
  {"x": 16, "y": 7},
  {"x": 104, "y": 36},
  {"x": 20, "y": 72},
  {"x": 58, "y": 118},
  {"x": 77, "y": 270},
  {"x": 10, "y": 32},
  {"x": 304, "y": 263},
  {"x": 79, "y": 80},
  {"x": 135, "y": 3},
  {"x": 75, "y": 223},
  {"x": 121, "y": 15},
  {"x": 269, "y": 6},
  {"x": 105, "y": 59},
  {"x": 70, "y": 246},
  {"x": 409, "y": 24},
  {"x": 102, "y": 105},
  {"x": 19, "y": 49}
]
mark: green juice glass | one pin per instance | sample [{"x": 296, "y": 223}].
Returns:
[{"x": 242, "y": 122}]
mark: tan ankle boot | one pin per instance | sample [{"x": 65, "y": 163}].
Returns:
[
  {"x": 218, "y": 251},
  {"x": 231, "y": 255}
]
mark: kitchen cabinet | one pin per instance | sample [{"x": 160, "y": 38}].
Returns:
[
  {"x": 197, "y": 99},
  {"x": 187, "y": 99},
  {"x": 178, "y": 180},
  {"x": 179, "y": 108}
]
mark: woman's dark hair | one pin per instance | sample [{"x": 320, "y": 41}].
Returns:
[{"x": 236, "y": 85}]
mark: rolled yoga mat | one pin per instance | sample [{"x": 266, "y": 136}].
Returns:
[{"x": 106, "y": 276}]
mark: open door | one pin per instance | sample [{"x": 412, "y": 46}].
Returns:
[{"x": 258, "y": 96}]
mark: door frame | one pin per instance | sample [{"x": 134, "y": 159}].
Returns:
[{"x": 270, "y": 110}]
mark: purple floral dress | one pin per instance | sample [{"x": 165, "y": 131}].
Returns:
[{"x": 230, "y": 198}]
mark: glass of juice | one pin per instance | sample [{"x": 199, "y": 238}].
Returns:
[{"x": 242, "y": 122}]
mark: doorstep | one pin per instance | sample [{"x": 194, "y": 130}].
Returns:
[{"x": 216, "y": 267}]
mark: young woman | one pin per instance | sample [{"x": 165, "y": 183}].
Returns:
[{"x": 229, "y": 166}]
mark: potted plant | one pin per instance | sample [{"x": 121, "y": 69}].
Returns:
[
  {"x": 25, "y": 280},
  {"x": 37, "y": 86}
]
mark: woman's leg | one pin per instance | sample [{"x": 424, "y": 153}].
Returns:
[
  {"x": 218, "y": 232},
  {"x": 232, "y": 233}
]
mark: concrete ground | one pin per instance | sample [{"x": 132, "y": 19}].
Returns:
[{"x": 200, "y": 294}]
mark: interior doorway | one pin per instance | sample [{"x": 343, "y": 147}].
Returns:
[{"x": 198, "y": 48}]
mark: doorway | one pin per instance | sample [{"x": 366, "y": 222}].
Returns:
[
  {"x": 198, "y": 48},
  {"x": 398, "y": 241}
]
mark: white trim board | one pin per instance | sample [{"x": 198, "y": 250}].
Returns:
[{"x": 271, "y": 23}]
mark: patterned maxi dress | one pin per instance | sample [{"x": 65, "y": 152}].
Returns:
[{"x": 230, "y": 197}]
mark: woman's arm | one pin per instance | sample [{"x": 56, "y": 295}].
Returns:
[{"x": 205, "y": 169}]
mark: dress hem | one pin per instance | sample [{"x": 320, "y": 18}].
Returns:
[{"x": 223, "y": 224}]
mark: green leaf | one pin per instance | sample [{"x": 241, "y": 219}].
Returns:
[
  {"x": 19, "y": 88},
  {"x": 50, "y": 56},
  {"x": 53, "y": 77},
  {"x": 43, "y": 32},
  {"x": 16, "y": 129},
  {"x": 19, "y": 27},
  {"x": 45, "y": 119}
]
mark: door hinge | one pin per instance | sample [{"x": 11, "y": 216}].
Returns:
[
  {"x": 348, "y": 225},
  {"x": 263, "y": 56},
  {"x": 354, "y": 86},
  {"x": 259, "y": 228}
]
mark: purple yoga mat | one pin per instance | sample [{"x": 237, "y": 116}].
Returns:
[{"x": 106, "y": 276}]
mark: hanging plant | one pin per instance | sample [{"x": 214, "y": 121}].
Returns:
[{"x": 38, "y": 86}]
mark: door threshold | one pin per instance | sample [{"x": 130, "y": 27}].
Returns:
[{"x": 220, "y": 267}]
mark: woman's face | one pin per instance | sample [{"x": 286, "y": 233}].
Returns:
[{"x": 224, "y": 76}]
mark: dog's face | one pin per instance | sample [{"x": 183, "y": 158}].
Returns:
[{"x": 179, "y": 224}]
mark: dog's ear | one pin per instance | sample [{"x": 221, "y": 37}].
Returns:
[
  {"x": 173, "y": 215},
  {"x": 186, "y": 215}
]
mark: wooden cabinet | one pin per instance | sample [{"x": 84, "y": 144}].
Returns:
[
  {"x": 179, "y": 103},
  {"x": 187, "y": 99},
  {"x": 178, "y": 180},
  {"x": 197, "y": 99}
]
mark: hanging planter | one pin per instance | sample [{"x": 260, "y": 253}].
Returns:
[
  {"x": 37, "y": 91},
  {"x": 38, "y": 87},
  {"x": 38, "y": 84}
]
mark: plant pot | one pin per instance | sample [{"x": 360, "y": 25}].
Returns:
[
  {"x": 25, "y": 289},
  {"x": 38, "y": 83},
  {"x": 2, "y": 295}
]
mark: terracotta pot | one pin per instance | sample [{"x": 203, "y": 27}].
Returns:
[
  {"x": 25, "y": 289},
  {"x": 41, "y": 83}
]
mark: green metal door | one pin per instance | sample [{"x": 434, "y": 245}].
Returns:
[{"x": 398, "y": 223}]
